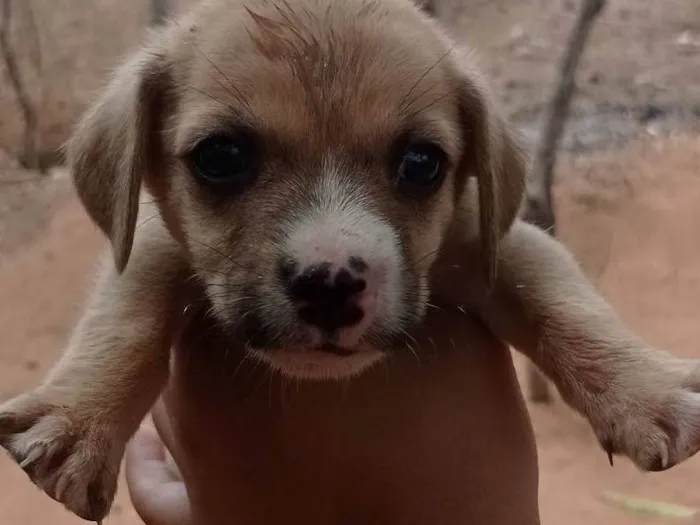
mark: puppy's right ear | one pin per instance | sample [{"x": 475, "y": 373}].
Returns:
[{"x": 114, "y": 145}]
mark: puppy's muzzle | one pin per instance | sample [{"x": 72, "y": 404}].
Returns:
[{"x": 330, "y": 297}]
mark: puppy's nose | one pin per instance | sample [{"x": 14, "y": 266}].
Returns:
[{"x": 327, "y": 299}]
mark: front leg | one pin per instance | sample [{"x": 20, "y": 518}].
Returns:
[
  {"x": 641, "y": 402},
  {"x": 70, "y": 433}
]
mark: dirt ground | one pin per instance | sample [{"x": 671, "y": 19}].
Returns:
[{"x": 627, "y": 208}]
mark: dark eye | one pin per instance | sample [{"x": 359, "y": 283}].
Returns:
[
  {"x": 422, "y": 166},
  {"x": 223, "y": 159}
]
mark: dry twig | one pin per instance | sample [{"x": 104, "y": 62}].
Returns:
[{"x": 31, "y": 137}]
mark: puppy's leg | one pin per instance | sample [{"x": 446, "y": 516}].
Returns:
[
  {"x": 69, "y": 434},
  {"x": 641, "y": 402}
]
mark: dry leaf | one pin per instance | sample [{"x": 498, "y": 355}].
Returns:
[{"x": 651, "y": 507}]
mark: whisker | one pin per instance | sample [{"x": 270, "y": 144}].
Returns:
[
  {"x": 233, "y": 89},
  {"x": 228, "y": 106},
  {"x": 422, "y": 77},
  {"x": 147, "y": 220},
  {"x": 413, "y": 339},
  {"x": 432, "y": 103},
  {"x": 409, "y": 346},
  {"x": 432, "y": 342},
  {"x": 220, "y": 253},
  {"x": 413, "y": 351},
  {"x": 424, "y": 257},
  {"x": 284, "y": 381}
]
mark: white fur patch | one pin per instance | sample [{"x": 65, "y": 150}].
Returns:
[
  {"x": 340, "y": 226},
  {"x": 315, "y": 365}
]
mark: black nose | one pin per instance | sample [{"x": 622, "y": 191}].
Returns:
[{"x": 326, "y": 300}]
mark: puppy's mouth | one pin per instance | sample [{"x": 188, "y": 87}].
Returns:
[
  {"x": 318, "y": 363},
  {"x": 315, "y": 359},
  {"x": 261, "y": 339},
  {"x": 330, "y": 348}
]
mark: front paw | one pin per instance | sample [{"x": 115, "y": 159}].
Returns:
[
  {"x": 651, "y": 413},
  {"x": 73, "y": 458}
]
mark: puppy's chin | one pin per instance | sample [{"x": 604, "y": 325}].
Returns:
[{"x": 314, "y": 364}]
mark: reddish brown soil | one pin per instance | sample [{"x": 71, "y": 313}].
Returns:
[{"x": 632, "y": 217}]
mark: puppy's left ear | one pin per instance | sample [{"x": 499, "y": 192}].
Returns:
[
  {"x": 495, "y": 157},
  {"x": 115, "y": 144}
]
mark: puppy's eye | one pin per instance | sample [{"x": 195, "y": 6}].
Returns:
[
  {"x": 422, "y": 166},
  {"x": 223, "y": 159}
]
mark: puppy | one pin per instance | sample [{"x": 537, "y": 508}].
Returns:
[{"x": 318, "y": 174}]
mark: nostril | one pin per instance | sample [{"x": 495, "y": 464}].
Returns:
[
  {"x": 312, "y": 283},
  {"x": 346, "y": 282}
]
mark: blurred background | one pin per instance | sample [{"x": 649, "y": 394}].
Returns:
[{"x": 626, "y": 201}]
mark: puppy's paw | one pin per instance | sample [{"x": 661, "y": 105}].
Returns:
[
  {"x": 651, "y": 413},
  {"x": 74, "y": 460}
]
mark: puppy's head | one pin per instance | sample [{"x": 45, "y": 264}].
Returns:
[{"x": 310, "y": 156}]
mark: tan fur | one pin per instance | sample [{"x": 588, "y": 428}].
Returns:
[{"x": 328, "y": 89}]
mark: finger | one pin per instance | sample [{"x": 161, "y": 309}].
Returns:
[
  {"x": 161, "y": 421},
  {"x": 158, "y": 495},
  {"x": 146, "y": 445}
]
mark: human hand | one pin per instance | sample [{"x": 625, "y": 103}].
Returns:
[{"x": 155, "y": 485}]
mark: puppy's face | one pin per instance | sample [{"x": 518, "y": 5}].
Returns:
[{"x": 313, "y": 155}]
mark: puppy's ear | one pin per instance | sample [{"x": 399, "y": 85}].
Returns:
[
  {"x": 495, "y": 158},
  {"x": 113, "y": 147}
]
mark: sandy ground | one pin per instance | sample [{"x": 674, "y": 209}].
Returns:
[{"x": 632, "y": 219}]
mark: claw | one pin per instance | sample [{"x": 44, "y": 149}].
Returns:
[
  {"x": 34, "y": 454},
  {"x": 608, "y": 447}
]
